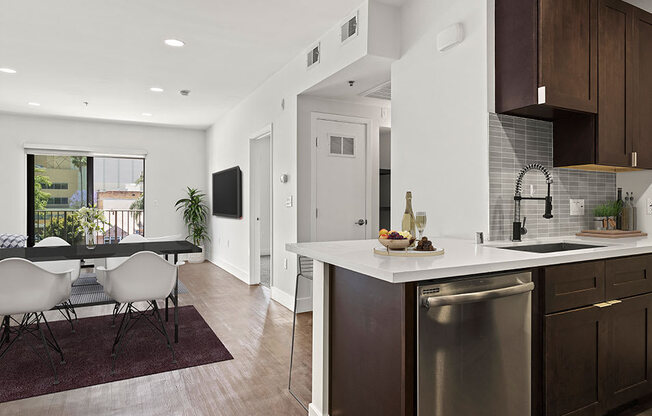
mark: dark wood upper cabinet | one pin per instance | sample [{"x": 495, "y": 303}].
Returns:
[
  {"x": 615, "y": 102},
  {"x": 642, "y": 79},
  {"x": 546, "y": 59}
]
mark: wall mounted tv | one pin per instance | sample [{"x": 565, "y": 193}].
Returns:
[{"x": 227, "y": 193}]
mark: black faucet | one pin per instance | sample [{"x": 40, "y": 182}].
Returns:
[{"x": 517, "y": 228}]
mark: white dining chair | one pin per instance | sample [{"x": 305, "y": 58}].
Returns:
[
  {"x": 143, "y": 277},
  {"x": 66, "y": 308},
  {"x": 28, "y": 289},
  {"x": 113, "y": 262}
]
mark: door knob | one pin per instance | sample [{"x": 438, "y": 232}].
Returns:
[{"x": 360, "y": 222}]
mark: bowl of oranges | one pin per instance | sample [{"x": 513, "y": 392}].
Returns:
[{"x": 395, "y": 240}]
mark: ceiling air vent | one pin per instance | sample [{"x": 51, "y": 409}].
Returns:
[
  {"x": 350, "y": 28},
  {"x": 313, "y": 55},
  {"x": 382, "y": 91}
]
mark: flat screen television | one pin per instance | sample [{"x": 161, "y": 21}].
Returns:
[{"x": 227, "y": 193}]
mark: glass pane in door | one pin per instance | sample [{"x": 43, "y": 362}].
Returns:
[
  {"x": 60, "y": 186},
  {"x": 119, "y": 192}
]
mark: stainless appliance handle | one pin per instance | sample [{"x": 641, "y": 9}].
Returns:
[{"x": 477, "y": 296}]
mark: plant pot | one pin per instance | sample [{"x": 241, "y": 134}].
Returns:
[
  {"x": 598, "y": 223},
  {"x": 611, "y": 223},
  {"x": 197, "y": 257}
]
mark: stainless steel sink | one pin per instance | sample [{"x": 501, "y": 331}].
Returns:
[{"x": 550, "y": 247}]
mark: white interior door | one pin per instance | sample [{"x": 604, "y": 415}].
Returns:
[{"x": 340, "y": 181}]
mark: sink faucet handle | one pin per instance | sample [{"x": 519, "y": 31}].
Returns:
[{"x": 523, "y": 229}]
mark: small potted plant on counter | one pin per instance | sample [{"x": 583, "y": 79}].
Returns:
[
  {"x": 600, "y": 217},
  {"x": 195, "y": 212},
  {"x": 613, "y": 210}
]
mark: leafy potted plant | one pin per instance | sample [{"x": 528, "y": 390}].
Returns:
[
  {"x": 195, "y": 212},
  {"x": 612, "y": 212},
  {"x": 600, "y": 217},
  {"x": 91, "y": 220}
]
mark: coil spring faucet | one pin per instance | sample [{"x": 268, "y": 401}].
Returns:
[{"x": 518, "y": 229}]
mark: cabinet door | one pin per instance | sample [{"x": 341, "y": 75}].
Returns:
[
  {"x": 642, "y": 57},
  {"x": 570, "y": 286},
  {"x": 628, "y": 276},
  {"x": 575, "y": 360},
  {"x": 615, "y": 126},
  {"x": 630, "y": 350},
  {"x": 567, "y": 53}
]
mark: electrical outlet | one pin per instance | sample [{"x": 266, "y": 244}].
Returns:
[
  {"x": 576, "y": 207},
  {"x": 649, "y": 206},
  {"x": 288, "y": 201},
  {"x": 285, "y": 264}
]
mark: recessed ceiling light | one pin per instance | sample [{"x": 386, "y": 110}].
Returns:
[
  {"x": 8, "y": 70},
  {"x": 174, "y": 42},
  {"x": 147, "y": 114},
  {"x": 34, "y": 104},
  {"x": 156, "y": 89}
]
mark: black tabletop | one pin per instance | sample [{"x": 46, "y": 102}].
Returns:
[{"x": 100, "y": 251}]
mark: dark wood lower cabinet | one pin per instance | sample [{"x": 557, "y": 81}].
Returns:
[
  {"x": 575, "y": 362},
  {"x": 597, "y": 358},
  {"x": 629, "y": 348}
]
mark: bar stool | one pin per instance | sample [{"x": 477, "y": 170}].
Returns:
[{"x": 305, "y": 271}]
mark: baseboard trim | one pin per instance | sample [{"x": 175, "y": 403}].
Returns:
[
  {"x": 313, "y": 411},
  {"x": 304, "y": 304},
  {"x": 234, "y": 270},
  {"x": 283, "y": 298}
]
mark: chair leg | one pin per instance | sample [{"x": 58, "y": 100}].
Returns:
[
  {"x": 167, "y": 303},
  {"x": 122, "y": 331},
  {"x": 294, "y": 324},
  {"x": 65, "y": 311},
  {"x": 54, "y": 343},
  {"x": 47, "y": 348},
  {"x": 165, "y": 332},
  {"x": 4, "y": 332}
]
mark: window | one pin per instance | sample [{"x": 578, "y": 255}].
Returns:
[
  {"x": 55, "y": 185},
  {"x": 342, "y": 146},
  {"x": 58, "y": 201}
]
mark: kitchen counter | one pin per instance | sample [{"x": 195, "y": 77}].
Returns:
[{"x": 462, "y": 257}]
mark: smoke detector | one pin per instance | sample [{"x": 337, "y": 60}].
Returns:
[{"x": 185, "y": 93}]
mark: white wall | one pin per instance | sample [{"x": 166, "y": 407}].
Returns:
[
  {"x": 175, "y": 160},
  {"x": 641, "y": 184},
  {"x": 308, "y": 104},
  {"x": 439, "y": 118},
  {"x": 228, "y": 145}
]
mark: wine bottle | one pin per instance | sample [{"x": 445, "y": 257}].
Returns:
[
  {"x": 409, "y": 223},
  {"x": 626, "y": 213},
  {"x": 619, "y": 217}
]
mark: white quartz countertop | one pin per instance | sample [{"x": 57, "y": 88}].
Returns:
[{"x": 462, "y": 257}]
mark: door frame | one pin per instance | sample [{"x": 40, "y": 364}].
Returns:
[
  {"x": 371, "y": 162},
  {"x": 254, "y": 266}
]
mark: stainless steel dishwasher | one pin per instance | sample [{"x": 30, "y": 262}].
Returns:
[{"x": 473, "y": 346}]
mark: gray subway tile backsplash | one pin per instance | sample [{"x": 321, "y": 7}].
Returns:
[{"x": 515, "y": 142}]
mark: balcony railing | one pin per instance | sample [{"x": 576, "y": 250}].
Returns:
[{"x": 62, "y": 223}]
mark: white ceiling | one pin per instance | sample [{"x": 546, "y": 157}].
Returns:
[{"x": 110, "y": 53}]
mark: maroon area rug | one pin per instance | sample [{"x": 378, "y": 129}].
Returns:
[{"x": 88, "y": 354}]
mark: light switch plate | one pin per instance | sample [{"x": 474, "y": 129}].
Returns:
[
  {"x": 576, "y": 207},
  {"x": 649, "y": 206},
  {"x": 288, "y": 201}
]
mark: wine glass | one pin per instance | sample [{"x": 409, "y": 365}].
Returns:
[{"x": 420, "y": 219}]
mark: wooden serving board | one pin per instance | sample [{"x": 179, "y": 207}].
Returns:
[
  {"x": 410, "y": 252},
  {"x": 610, "y": 234}
]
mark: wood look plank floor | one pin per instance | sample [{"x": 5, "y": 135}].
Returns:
[{"x": 255, "y": 329}]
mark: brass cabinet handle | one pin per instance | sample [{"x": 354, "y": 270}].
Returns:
[
  {"x": 602, "y": 305},
  {"x": 634, "y": 159},
  {"x": 614, "y": 302}
]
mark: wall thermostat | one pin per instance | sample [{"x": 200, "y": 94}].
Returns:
[{"x": 284, "y": 178}]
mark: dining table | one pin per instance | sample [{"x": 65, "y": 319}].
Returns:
[{"x": 103, "y": 251}]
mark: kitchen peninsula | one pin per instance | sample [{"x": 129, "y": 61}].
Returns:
[{"x": 365, "y": 330}]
